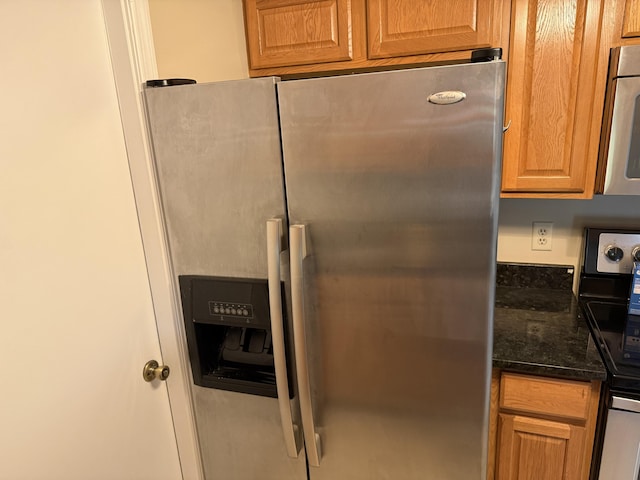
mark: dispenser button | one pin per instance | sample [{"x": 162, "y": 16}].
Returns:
[
  {"x": 227, "y": 311},
  {"x": 216, "y": 309},
  {"x": 245, "y": 312},
  {"x": 233, "y": 311}
]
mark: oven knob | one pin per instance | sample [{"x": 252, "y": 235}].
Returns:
[
  {"x": 614, "y": 254},
  {"x": 636, "y": 254}
]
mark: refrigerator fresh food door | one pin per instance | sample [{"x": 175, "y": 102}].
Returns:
[
  {"x": 392, "y": 183},
  {"x": 219, "y": 169}
]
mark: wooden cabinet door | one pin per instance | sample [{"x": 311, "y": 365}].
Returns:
[
  {"x": 534, "y": 449},
  {"x": 550, "y": 90},
  {"x": 411, "y": 27},
  {"x": 297, "y": 32},
  {"x": 631, "y": 22}
]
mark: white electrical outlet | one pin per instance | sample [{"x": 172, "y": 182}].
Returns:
[{"x": 542, "y": 236}]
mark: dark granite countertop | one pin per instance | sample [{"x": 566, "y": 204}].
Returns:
[{"x": 537, "y": 326}]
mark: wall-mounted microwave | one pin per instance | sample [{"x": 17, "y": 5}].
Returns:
[{"x": 619, "y": 162}]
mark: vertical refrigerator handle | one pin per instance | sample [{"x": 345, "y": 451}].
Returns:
[
  {"x": 298, "y": 239},
  {"x": 292, "y": 437}
]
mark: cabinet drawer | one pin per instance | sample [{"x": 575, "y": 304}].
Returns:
[{"x": 545, "y": 396}]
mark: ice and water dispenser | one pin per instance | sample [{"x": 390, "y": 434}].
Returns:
[{"x": 228, "y": 328}]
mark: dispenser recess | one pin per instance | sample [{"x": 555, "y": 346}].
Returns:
[{"x": 228, "y": 327}]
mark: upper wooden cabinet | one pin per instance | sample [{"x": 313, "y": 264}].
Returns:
[
  {"x": 551, "y": 87},
  {"x": 295, "y": 32},
  {"x": 289, "y": 37},
  {"x": 410, "y": 27},
  {"x": 621, "y": 25},
  {"x": 631, "y": 19},
  {"x": 556, "y": 82}
]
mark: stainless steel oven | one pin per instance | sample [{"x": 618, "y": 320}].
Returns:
[
  {"x": 605, "y": 282},
  {"x": 620, "y": 458},
  {"x": 619, "y": 162}
]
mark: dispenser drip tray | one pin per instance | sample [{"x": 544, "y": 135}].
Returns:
[{"x": 247, "y": 346}]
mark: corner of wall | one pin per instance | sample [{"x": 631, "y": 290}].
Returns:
[{"x": 200, "y": 40}]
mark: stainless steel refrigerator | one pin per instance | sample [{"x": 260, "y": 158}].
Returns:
[{"x": 334, "y": 244}]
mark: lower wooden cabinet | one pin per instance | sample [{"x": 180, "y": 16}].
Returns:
[
  {"x": 535, "y": 448},
  {"x": 543, "y": 427}
]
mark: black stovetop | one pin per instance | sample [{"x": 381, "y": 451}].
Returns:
[
  {"x": 614, "y": 332},
  {"x": 603, "y": 297}
]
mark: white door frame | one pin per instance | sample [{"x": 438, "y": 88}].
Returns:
[{"x": 133, "y": 60}]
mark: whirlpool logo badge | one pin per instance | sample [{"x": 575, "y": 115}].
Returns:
[{"x": 447, "y": 98}]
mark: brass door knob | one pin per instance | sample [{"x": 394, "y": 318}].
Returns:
[{"x": 153, "y": 370}]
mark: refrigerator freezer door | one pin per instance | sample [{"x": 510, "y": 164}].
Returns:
[
  {"x": 399, "y": 199},
  {"x": 219, "y": 168}
]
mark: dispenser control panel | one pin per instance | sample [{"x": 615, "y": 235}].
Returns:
[
  {"x": 238, "y": 302},
  {"x": 236, "y": 309}
]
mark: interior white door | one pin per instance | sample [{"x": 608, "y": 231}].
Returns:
[{"x": 76, "y": 315}]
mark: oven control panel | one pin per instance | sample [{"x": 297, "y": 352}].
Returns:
[{"x": 617, "y": 251}]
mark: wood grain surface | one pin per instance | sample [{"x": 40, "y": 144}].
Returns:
[
  {"x": 417, "y": 33},
  {"x": 410, "y": 27},
  {"x": 551, "y": 83},
  {"x": 631, "y": 22},
  {"x": 534, "y": 449},
  {"x": 296, "y": 32}
]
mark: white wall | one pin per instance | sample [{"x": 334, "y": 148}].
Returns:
[
  {"x": 199, "y": 39},
  {"x": 76, "y": 316},
  {"x": 569, "y": 218}
]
